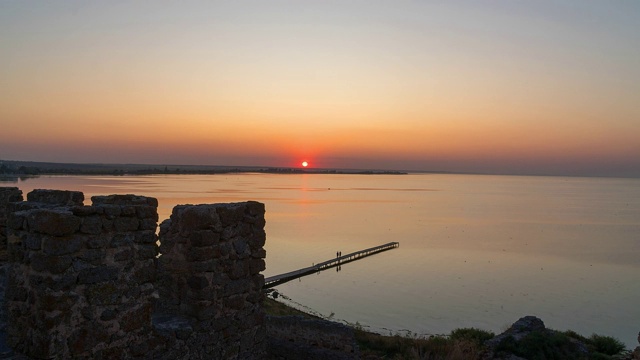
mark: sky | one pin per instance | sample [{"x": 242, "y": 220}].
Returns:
[{"x": 509, "y": 87}]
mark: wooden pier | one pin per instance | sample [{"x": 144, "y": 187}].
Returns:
[{"x": 282, "y": 278}]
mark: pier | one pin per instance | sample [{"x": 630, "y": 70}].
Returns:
[{"x": 339, "y": 260}]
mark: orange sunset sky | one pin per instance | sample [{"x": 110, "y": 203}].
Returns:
[{"x": 524, "y": 87}]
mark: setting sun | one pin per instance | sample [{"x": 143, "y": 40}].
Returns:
[{"x": 305, "y": 164}]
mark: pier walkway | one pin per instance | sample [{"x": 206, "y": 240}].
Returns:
[{"x": 282, "y": 278}]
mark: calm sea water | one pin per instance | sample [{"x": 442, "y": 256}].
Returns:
[{"x": 475, "y": 251}]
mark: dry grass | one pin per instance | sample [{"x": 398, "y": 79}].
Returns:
[{"x": 376, "y": 346}]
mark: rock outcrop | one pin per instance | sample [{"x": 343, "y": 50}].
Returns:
[{"x": 530, "y": 330}]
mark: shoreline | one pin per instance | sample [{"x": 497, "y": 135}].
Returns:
[
  {"x": 527, "y": 337},
  {"x": 29, "y": 168}
]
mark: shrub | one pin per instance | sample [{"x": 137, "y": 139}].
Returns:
[
  {"x": 606, "y": 344},
  {"x": 541, "y": 345},
  {"x": 472, "y": 334}
]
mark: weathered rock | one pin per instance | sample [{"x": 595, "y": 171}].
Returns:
[
  {"x": 53, "y": 222},
  {"x": 520, "y": 330},
  {"x": 56, "y": 197}
]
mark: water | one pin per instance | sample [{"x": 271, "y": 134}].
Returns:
[{"x": 475, "y": 251}]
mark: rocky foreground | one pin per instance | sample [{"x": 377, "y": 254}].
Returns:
[{"x": 527, "y": 338}]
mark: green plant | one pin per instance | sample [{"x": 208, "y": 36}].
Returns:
[
  {"x": 471, "y": 334},
  {"x": 541, "y": 345},
  {"x": 375, "y": 346},
  {"x": 606, "y": 344},
  {"x": 575, "y": 335}
]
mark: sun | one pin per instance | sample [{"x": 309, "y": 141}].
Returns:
[{"x": 305, "y": 164}]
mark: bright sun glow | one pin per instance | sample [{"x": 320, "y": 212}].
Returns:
[{"x": 305, "y": 164}]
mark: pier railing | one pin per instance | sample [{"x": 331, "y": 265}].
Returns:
[{"x": 339, "y": 260}]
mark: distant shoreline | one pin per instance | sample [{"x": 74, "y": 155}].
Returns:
[{"x": 12, "y": 168}]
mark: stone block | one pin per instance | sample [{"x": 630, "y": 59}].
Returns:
[
  {"x": 196, "y": 282},
  {"x": 147, "y": 212},
  {"x": 259, "y": 253},
  {"x": 111, "y": 211},
  {"x": 61, "y": 302},
  {"x": 200, "y": 254},
  {"x": 139, "y": 349},
  {"x": 148, "y": 224},
  {"x": 128, "y": 210},
  {"x": 119, "y": 240},
  {"x": 103, "y": 294},
  {"x": 61, "y": 245},
  {"x": 16, "y": 220},
  {"x": 107, "y": 224},
  {"x": 32, "y": 242},
  {"x": 137, "y": 318},
  {"x": 16, "y": 253},
  {"x": 85, "y": 210},
  {"x": 51, "y": 264},
  {"x": 238, "y": 270},
  {"x": 98, "y": 274},
  {"x": 98, "y": 242},
  {"x": 144, "y": 275},
  {"x": 256, "y": 266},
  {"x": 230, "y": 233},
  {"x": 256, "y": 209},
  {"x": 237, "y": 287},
  {"x": 53, "y": 222},
  {"x": 10, "y": 194},
  {"x": 204, "y": 238},
  {"x": 125, "y": 224},
  {"x": 145, "y": 237},
  {"x": 146, "y": 252},
  {"x": 204, "y": 266},
  {"x": 108, "y": 315},
  {"x": 63, "y": 282},
  {"x": 235, "y": 302},
  {"x": 255, "y": 297},
  {"x": 93, "y": 256},
  {"x": 198, "y": 217},
  {"x": 128, "y": 199},
  {"x": 231, "y": 214},
  {"x": 241, "y": 248},
  {"x": 16, "y": 293},
  {"x": 91, "y": 225},
  {"x": 56, "y": 197},
  {"x": 84, "y": 339},
  {"x": 123, "y": 255}
]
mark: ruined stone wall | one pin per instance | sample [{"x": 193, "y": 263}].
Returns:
[
  {"x": 81, "y": 280},
  {"x": 7, "y": 195},
  {"x": 212, "y": 256},
  {"x": 84, "y": 281}
]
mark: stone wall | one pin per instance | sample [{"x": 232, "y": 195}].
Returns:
[
  {"x": 212, "y": 256},
  {"x": 295, "y": 337},
  {"x": 7, "y": 195},
  {"x": 81, "y": 280},
  {"x": 84, "y": 281}
]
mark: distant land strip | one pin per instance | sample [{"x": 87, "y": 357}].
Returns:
[{"x": 14, "y": 168}]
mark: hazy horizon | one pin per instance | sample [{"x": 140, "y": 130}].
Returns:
[{"x": 544, "y": 87}]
